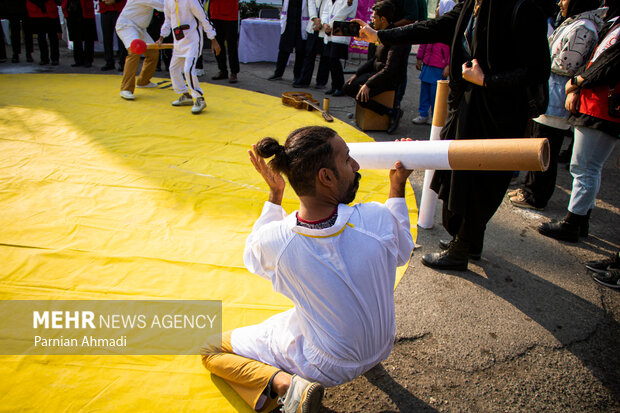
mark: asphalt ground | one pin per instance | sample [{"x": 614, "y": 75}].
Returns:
[{"x": 524, "y": 329}]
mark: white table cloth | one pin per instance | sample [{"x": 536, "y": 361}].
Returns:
[{"x": 258, "y": 40}]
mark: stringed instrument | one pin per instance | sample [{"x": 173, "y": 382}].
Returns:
[{"x": 303, "y": 100}]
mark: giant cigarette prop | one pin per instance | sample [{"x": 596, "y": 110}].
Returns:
[
  {"x": 426, "y": 216},
  {"x": 531, "y": 154}
]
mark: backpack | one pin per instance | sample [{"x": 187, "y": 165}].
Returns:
[{"x": 537, "y": 94}]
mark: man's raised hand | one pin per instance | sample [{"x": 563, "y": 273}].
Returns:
[
  {"x": 398, "y": 177},
  {"x": 274, "y": 180},
  {"x": 367, "y": 33}
]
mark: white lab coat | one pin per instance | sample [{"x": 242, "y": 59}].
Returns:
[
  {"x": 190, "y": 12},
  {"x": 135, "y": 18},
  {"x": 315, "y": 9},
  {"x": 341, "y": 280},
  {"x": 304, "y": 18},
  {"x": 340, "y": 10}
]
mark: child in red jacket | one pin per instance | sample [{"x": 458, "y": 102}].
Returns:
[{"x": 432, "y": 60}]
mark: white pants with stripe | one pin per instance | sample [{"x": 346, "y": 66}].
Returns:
[{"x": 180, "y": 66}]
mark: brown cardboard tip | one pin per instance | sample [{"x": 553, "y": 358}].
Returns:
[{"x": 531, "y": 154}]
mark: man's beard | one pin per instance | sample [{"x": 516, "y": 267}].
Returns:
[{"x": 349, "y": 196}]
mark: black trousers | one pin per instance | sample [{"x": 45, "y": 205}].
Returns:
[
  {"x": 83, "y": 34},
  {"x": 400, "y": 90},
  {"x": 2, "y": 46},
  {"x": 228, "y": 39},
  {"x": 334, "y": 52},
  {"x": 108, "y": 30},
  {"x": 351, "y": 89},
  {"x": 16, "y": 25},
  {"x": 283, "y": 55},
  {"x": 47, "y": 29},
  {"x": 314, "y": 47},
  {"x": 486, "y": 195},
  {"x": 539, "y": 186}
]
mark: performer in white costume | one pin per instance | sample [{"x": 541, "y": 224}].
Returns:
[
  {"x": 131, "y": 25},
  {"x": 336, "y": 262},
  {"x": 187, "y": 19}
]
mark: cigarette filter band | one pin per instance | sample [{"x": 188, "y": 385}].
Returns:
[
  {"x": 440, "y": 112},
  {"x": 474, "y": 154}
]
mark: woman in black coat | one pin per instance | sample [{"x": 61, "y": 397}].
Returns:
[{"x": 499, "y": 52}]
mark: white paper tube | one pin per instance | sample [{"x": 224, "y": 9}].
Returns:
[
  {"x": 412, "y": 154},
  {"x": 426, "y": 216},
  {"x": 530, "y": 154}
]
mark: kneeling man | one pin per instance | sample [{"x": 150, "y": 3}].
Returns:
[{"x": 336, "y": 262}]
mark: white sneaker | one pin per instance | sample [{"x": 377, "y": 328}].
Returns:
[
  {"x": 199, "y": 105},
  {"x": 183, "y": 100},
  {"x": 150, "y": 84},
  {"x": 127, "y": 95},
  {"x": 200, "y": 72},
  {"x": 302, "y": 396},
  {"x": 420, "y": 120}
]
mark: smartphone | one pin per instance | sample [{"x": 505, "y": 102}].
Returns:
[{"x": 346, "y": 29}]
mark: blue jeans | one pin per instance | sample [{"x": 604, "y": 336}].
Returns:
[
  {"x": 428, "y": 88},
  {"x": 590, "y": 151}
]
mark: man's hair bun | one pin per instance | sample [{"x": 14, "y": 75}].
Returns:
[{"x": 268, "y": 147}]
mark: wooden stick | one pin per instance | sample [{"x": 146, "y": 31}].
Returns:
[
  {"x": 155, "y": 46},
  {"x": 326, "y": 115}
]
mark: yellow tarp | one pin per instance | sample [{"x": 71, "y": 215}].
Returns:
[{"x": 108, "y": 199}]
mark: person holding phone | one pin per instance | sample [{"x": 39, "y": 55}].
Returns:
[
  {"x": 187, "y": 19},
  {"x": 385, "y": 71}
]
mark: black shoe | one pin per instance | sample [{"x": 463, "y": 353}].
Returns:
[
  {"x": 220, "y": 76},
  {"x": 608, "y": 278},
  {"x": 2, "y": 59},
  {"x": 612, "y": 263},
  {"x": 85, "y": 64},
  {"x": 563, "y": 231},
  {"x": 445, "y": 260},
  {"x": 337, "y": 92},
  {"x": 15, "y": 59},
  {"x": 275, "y": 77},
  {"x": 394, "y": 121},
  {"x": 298, "y": 85},
  {"x": 584, "y": 225},
  {"x": 107, "y": 66},
  {"x": 454, "y": 258},
  {"x": 121, "y": 68},
  {"x": 44, "y": 62},
  {"x": 55, "y": 62},
  {"x": 330, "y": 91},
  {"x": 29, "y": 58},
  {"x": 319, "y": 87},
  {"x": 445, "y": 244},
  {"x": 76, "y": 64}
]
